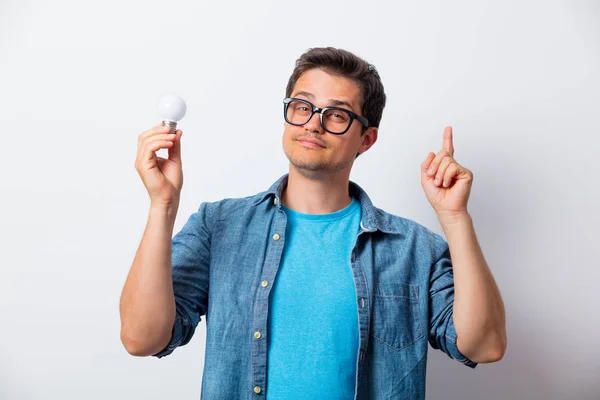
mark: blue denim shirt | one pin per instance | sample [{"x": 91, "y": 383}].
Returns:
[{"x": 225, "y": 259}]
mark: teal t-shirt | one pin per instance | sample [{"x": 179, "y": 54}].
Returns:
[{"x": 313, "y": 316}]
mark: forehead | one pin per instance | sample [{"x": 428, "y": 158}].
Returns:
[{"x": 326, "y": 87}]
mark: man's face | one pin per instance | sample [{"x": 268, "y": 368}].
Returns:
[{"x": 338, "y": 151}]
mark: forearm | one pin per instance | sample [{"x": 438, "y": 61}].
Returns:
[
  {"x": 147, "y": 302},
  {"x": 479, "y": 316}
]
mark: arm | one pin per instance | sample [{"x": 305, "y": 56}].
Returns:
[
  {"x": 147, "y": 305},
  {"x": 478, "y": 313},
  {"x": 479, "y": 316}
]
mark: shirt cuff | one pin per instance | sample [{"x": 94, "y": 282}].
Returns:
[
  {"x": 176, "y": 337},
  {"x": 453, "y": 352}
]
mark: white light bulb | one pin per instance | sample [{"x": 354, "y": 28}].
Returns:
[{"x": 172, "y": 109}]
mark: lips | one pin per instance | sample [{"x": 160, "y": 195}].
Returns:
[{"x": 311, "y": 141}]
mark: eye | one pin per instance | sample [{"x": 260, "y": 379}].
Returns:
[{"x": 337, "y": 116}]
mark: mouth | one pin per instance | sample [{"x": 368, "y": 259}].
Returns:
[{"x": 311, "y": 143}]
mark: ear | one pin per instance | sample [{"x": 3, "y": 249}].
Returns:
[{"x": 368, "y": 139}]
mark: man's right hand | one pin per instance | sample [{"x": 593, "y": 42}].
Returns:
[{"x": 162, "y": 177}]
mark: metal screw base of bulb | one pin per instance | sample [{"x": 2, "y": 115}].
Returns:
[{"x": 172, "y": 124}]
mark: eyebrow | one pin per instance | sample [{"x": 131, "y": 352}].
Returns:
[{"x": 332, "y": 102}]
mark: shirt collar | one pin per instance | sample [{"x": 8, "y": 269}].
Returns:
[{"x": 372, "y": 217}]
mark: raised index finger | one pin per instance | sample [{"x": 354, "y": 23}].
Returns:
[{"x": 448, "y": 146}]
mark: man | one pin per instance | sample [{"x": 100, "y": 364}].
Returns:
[{"x": 310, "y": 291}]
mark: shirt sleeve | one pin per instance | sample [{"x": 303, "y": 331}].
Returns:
[
  {"x": 442, "y": 334},
  {"x": 190, "y": 257}
]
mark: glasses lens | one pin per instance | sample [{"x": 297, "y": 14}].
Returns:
[
  {"x": 298, "y": 112},
  {"x": 336, "y": 121}
]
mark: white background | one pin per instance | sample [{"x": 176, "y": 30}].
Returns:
[{"x": 79, "y": 80}]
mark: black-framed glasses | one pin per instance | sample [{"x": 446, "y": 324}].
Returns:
[{"x": 335, "y": 120}]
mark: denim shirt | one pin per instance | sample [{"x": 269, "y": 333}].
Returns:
[{"x": 226, "y": 257}]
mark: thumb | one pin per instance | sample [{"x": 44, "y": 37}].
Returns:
[
  {"x": 175, "y": 151},
  {"x": 425, "y": 165}
]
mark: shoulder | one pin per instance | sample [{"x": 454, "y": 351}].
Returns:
[
  {"x": 416, "y": 233},
  {"x": 233, "y": 207}
]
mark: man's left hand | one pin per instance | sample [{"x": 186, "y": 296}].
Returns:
[{"x": 446, "y": 183}]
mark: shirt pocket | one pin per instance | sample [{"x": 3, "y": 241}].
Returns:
[{"x": 396, "y": 319}]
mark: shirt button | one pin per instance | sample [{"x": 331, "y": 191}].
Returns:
[
  {"x": 276, "y": 236},
  {"x": 256, "y": 389},
  {"x": 264, "y": 283},
  {"x": 257, "y": 335}
]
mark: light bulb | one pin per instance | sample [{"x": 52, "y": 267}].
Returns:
[{"x": 172, "y": 109}]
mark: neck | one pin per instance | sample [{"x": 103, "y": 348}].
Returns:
[{"x": 316, "y": 194}]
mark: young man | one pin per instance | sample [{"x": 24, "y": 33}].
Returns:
[{"x": 309, "y": 290}]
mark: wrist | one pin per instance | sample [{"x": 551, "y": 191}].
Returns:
[
  {"x": 448, "y": 219},
  {"x": 164, "y": 210}
]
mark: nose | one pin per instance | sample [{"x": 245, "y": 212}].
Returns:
[{"x": 314, "y": 124}]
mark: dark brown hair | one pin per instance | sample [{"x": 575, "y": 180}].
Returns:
[{"x": 343, "y": 63}]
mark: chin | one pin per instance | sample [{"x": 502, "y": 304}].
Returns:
[{"x": 309, "y": 165}]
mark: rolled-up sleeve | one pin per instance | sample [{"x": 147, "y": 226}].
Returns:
[
  {"x": 190, "y": 258},
  {"x": 442, "y": 334}
]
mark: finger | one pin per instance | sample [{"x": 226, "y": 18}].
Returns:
[
  {"x": 152, "y": 147},
  {"x": 144, "y": 142},
  {"x": 155, "y": 130},
  {"x": 452, "y": 171},
  {"x": 448, "y": 146},
  {"x": 175, "y": 150},
  {"x": 439, "y": 176},
  {"x": 425, "y": 164},
  {"x": 162, "y": 136},
  {"x": 436, "y": 162}
]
